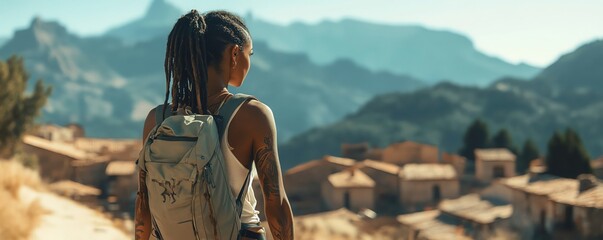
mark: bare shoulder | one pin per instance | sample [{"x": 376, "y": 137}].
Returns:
[
  {"x": 257, "y": 114},
  {"x": 149, "y": 123}
]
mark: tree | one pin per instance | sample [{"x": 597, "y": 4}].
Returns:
[
  {"x": 476, "y": 136},
  {"x": 503, "y": 139},
  {"x": 528, "y": 153},
  {"x": 566, "y": 155},
  {"x": 17, "y": 109}
]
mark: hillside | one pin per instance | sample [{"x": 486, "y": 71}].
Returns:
[
  {"x": 439, "y": 115},
  {"x": 104, "y": 84}
]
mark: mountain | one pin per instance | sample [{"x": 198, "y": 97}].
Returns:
[
  {"x": 413, "y": 50},
  {"x": 85, "y": 88},
  {"x": 558, "y": 97},
  {"x": 108, "y": 86},
  {"x": 429, "y": 54},
  {"x": 157, "y": 21}
]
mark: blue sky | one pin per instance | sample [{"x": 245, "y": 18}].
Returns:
[{"x": 532, "y": 31}]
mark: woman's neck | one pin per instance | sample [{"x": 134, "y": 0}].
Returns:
[{"x": 217, "y": 83}]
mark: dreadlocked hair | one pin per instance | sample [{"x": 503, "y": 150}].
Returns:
[{"x": 195, "y": 43}]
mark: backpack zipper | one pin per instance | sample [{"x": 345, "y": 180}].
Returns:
[{"x": 176, "y": 138}]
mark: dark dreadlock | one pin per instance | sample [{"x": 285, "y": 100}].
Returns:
[{"x": 196, "y": 42}]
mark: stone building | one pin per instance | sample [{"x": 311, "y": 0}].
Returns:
[
  {"x": 410, "y": 152},
  {"x": 122, "y": 184},
  {"x": 457, "y": 161},
  {"x": 56, "y": 133},
  {"x": 424, "y": 185},
  {"x": 303, "y": 182},
  {"x": 467, "y": 217},
  {"x": 578, "y": 210},
  {"x": 386, "y": 179},
  {"x": 546, "y": 205},
  {"x": 430, "y": 225},
  {"x": 351, "y": 189},
  {"x": 413, "y": 152},
  {"x": 494, "y": 163},
  {"x": 56, "y": 159}
]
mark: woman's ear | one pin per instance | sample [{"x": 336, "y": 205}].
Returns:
[{"x": 233, "y": 55}]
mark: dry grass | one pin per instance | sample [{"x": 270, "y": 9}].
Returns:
[{"x": 17, "y": 219}]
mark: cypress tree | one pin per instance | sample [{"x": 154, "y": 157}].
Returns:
[
  {"x": 503, "y": 139},
  {"x": 476, "y": 136},
  {"x": 528, "y": 153},
  {"x": 566, "y": 155},
  {"x": 17, "y": 109}
]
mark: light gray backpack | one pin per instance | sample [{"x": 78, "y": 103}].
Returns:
[{"x": 188, "y": 189}]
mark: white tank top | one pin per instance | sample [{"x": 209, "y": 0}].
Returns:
[{"x": 236, "y": 178}]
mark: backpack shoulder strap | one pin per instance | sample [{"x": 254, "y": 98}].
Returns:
[
  {"x": 226, "y": 112},
  {"x": 228, "y": 109},
  {"x": 159, "y": 114}
]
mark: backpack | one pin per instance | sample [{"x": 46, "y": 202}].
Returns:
[{"x": 188, "y": 190}]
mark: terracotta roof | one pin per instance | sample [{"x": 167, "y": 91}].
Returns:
[
  {"x": 541, "y": 184},
  {"x": 381, "y": 166},
  {"x": 344, "y": 162},
  {"x": 430, "y": 226},
  {"x": 473, "y": 208},
  {"x": 339, "y": 160},
  {"x": 304, "y": 166},
  {"x": 71, "y": 188},
  {"x": 418, "y": 217},
  {"x": 427, "y": 171},
  {"x": 494, "y": 154},
  {"x": 351, "y": 178},
  {"x": 120, "y": 168},
  {"x": 589, "y": 198},
  {"x": 65, "y": 149}
]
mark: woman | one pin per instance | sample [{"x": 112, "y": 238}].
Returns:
[{"x": 207, "y": 53}]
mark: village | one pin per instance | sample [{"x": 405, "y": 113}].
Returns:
[{"x": 407, "y": 190}]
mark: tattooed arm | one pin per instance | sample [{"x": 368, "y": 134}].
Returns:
[
  {"x": 276, "y": 204},
  {"x": 142, "y": 214}
]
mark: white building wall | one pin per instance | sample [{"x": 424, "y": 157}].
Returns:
[
  {"x": 359, "y": 197},
  {"x": 484, "y": 170}
]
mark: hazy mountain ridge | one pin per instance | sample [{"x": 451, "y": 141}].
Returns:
[
  {"x": 157, "y": 21},
  {"x": 439, "y": 115},
  {"x": 433, "y": 55},
  {"x": 109, "y": 86}
]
